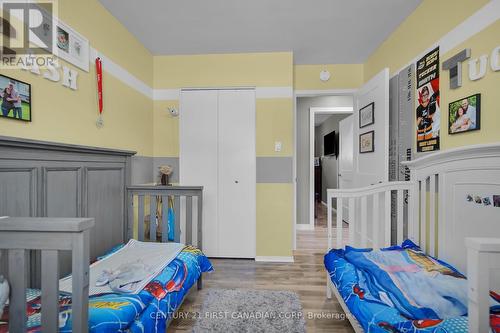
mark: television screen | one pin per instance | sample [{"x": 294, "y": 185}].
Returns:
[{"x": 330, "y": 144}]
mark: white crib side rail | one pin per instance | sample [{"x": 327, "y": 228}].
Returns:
[
  {"x": 483, "y": 255},
  {"x": 373, "y": 204}
]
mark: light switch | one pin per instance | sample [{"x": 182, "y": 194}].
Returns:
[{"x": 277, "y": 146}]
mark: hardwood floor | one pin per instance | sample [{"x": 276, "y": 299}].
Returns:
[{"x": 306, "y": 276}]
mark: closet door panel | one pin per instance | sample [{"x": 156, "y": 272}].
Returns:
[
  {"x": 237, "y": 173},
  {"x": 198, "y": 156}
]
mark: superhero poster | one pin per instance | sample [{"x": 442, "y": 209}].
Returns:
[{"x": 428, "y": 109}]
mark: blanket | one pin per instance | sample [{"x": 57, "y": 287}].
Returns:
[
  {"x": 147, "y": 259},
  {"x": 400, "y": 289},
  {"x": 147, "y": 311}
]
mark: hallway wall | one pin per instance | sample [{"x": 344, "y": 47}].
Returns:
[{"x": 302, "y": 133}]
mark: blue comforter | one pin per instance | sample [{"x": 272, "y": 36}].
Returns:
[
  {"x": 147, "y": 311},
  {"x": 400, "y": 289}
]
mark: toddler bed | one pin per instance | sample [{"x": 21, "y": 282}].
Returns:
[
  {"x": 146, "y": 311},
  {"x": 410, "y": 275},
  {"x": 57, "y": 307}
]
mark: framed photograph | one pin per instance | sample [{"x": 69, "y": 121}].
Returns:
[
  {"x": 367, "y": 115},
  {"x": 464, "y": 115},
  {"x": 62, "y": 40},
  {"x": 367, "y": 142},
  {"x": 67, "y": 44},
  {"x": 71, "y": 46},
  {"x": 15, "y": 97},
  {"x": 496, "y": 201}
]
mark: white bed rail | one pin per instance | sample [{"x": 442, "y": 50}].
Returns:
[
  {"x": 453, "y": 196},
  {"x": 483, "y": 255},
  {"x": 50, "y": 235},
  {"x": 375, "y": 199}
]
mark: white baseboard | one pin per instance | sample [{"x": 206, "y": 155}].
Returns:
[
  {"x": 304, "y": 227},
  {"x": 273, "y": 259}
]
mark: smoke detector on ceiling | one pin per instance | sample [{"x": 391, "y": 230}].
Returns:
[{"x": 324, "y": 75}]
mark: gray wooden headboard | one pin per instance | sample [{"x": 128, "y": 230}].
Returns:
[{"x": 45, "y": 179}]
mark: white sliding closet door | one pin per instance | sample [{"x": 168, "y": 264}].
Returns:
[
  {"x": 217, "y": 151},
  {"x": 237, "y": 173},
  {"x": 198, "y": 155}
]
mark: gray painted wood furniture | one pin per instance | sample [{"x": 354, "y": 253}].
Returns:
[
  {"x": 187, "y": 197},
  {"x": 44, "y": 179},
  {"x": 50, "y": 235},
  {"x": 55, "y": 187}
]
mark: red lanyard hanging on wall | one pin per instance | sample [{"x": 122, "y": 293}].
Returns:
[{"x": 98, "y": 70}]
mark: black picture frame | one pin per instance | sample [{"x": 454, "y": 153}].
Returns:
[
  {"x": 474, "y": 101},
  {"x": 372, "y": 138},
  {"x": 25, "y": 97},
  {"x": 368, "y": 108}
]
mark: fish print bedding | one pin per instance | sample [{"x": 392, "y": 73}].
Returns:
[
  {"x": 147, "y": 311},
  {"x": 401, "y": 289}
]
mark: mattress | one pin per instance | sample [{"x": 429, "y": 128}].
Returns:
[
  {"x": 143, "y": 261},
  {"x": 147, "y": 311},
  {"x": 400, "y": 289}
]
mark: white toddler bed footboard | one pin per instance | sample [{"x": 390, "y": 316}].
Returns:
[
  {"x": 369, "y": 216},
  {"x": 452, "y": 195},
  {"x": 483, "y": 256}
]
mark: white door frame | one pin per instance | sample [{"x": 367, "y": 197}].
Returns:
[
  {"x": 307, "y": 93},
  {"x": 313, "y": 111}
]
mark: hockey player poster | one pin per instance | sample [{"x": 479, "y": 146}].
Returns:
[{"x": 428, "y": 110}]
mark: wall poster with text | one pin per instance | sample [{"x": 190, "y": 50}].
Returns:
[{"x": 428, "y": 109}]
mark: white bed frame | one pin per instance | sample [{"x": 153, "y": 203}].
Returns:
[{"x": 439, "y": 219}]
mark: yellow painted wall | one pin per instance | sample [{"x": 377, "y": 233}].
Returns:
[
  {"x": 348, "y": 76},
  {"x": 489, "y": 87},
  {"x": 423, "y": 28},
  {"x": 63, "y": 115},
  {"x": 108, "y": 35},
  {"x": 274, "y": 122},
  {"x": 224, "y": 70},
  {"x": 165, "y": 130},
  {"x": 274, "y": 216},
  {"x": 409, "y": 42}
]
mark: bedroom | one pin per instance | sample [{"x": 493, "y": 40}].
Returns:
[{"x": 159, "y": 64}]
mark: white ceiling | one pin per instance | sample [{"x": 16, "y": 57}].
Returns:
[
  {"x": 317, "y": 31},
  {"x": 320, "y": 119}
]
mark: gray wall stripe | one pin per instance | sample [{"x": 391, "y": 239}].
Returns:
[
  {"x": 269, "y": 169},
  {"x": 142, "y": 170},
  {"x": 274, "y": 169}
]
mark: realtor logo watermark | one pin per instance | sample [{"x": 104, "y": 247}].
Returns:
[{"x": 27, "y": 33}]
